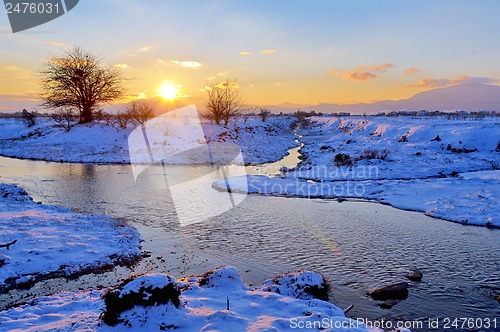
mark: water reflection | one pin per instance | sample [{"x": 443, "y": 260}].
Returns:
[{"x": 357, "y": 246}]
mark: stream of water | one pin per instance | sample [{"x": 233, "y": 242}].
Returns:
[{"x": 355, "y": 245}]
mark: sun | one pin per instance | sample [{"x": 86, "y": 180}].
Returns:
[{"x": 168, "y": 91}]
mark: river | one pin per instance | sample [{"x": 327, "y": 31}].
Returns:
[{"x": 356, "y": 245}]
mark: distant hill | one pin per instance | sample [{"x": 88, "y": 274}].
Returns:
[{"x": 467, "y": 97}]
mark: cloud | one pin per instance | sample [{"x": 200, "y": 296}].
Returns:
[
  {"x": 15, "y": 72},
  {"x": 442, "y": 82},
  {"x": 430, "y": 83},
  {"x": 25, "y": 97},
  {"x": 221, "y": 85},
  {"x": 245, "y": 53},
  {"x": 464, "y": 79},
  {"x": 411, "y": 71},
  {"x": 11, "y": 68},
  {"x": 58, "y": 44},
  {"x": 362, "y": 72},
  {"x": 218, "y": 76},
  {"x": 187, "y": 64},
  {"x": 383, "y": 67},
  {"x": 145, "y": 49},
  {"x": 277, "y": 83},
  {"x": 351, "y": 75},
  {"x": 121, "y": 65},
  {"x": 269, "y": 51}
]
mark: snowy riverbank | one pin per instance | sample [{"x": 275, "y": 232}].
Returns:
[
  {"x": 470, "y": 198},
  {"x": 446, "y": 168},
  {"x": 190, "y": 304},
  {"x": 55, "y": 242},
  {"x": 260, "y": 142}
]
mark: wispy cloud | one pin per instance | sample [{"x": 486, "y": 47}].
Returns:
[
  {"x": 145, "y": 49},
  {"x": 383, "y": 67},
  {"x": 15, "y": 72},
  {"x": 25, "y": 97},
  {"x": 471, "y": 79},
  {"x": 11, "y": 68},
  {"x": 412, "y": 70},
  {"x": 351, "y": 75},
  {"x": 187, "y": 64},
  {"x": 443, "y": 82},
  {"x": 277, "y": 83},
  {"x": 58, "y": 44},
  {"x": 430, "y": 83},
  {"x": 245, "y": 53},
  {"x": 122, "y": 65},
  {"x": 362, "y": 72},
  {"x": 269, "y": 51}
]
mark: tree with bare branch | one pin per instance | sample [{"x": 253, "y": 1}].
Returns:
[
  {"x": 223, "y": 101},
  {"x": 264, "y": 113},
  {"x": 79, "y": 80},
  {"x": 65, "y": 118},
  {"x": 140, "y": 112}
]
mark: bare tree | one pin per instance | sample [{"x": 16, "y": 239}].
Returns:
[
  {"x": 28, "y": 118},
  {"x": 264, "y": 113},
  {"x": 79, "y": 80},
  {"x": 140, "y": 112},
  {"x": 122, "y": 119},
  {"x": 65, "y": 118},
  {"x": 247, "y": 112},
  {"x": 223, "y": 101}
]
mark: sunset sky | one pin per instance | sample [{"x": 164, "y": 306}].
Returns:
[{"x": 300, "y": 52}]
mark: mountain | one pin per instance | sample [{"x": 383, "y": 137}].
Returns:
[{"x": 467, "y": 97}]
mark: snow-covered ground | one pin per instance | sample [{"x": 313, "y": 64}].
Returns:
[
  {"x": 471, "y": 198},
  {"x": 55, "y": 242},
  {"x": 398, "y": 147},
  {"x": 445, "y": 168},
  {"x": 260, "y": 142},
  {"x": 203, "y": 307}
]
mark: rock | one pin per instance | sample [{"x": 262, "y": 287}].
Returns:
[
  {"x": 397, "y": 291},
  {"x": 415, "y": 275},
  {"x": 388, "y": 304}
]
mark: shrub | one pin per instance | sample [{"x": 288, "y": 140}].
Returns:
[
  {"x": 122, "y": 119},
  {"x": 403, "y": 138},
  {"x": 374, "y": 154},
  {"x": 343, "y": 159},
  {"x": 28, "y": 118},
  {"x": 143, "y": 291},
  {"x": 436, "y": 139},
  {"x": 140, "y": 112},
  {"x": 264, "y": 113},
  {"x": 65, "y": 118}
]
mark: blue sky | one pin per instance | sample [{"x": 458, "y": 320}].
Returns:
[{"x": 302, "y": 52}]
